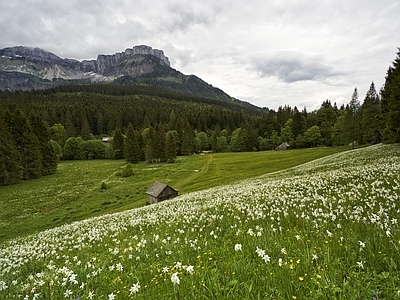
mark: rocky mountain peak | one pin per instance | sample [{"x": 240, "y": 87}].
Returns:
[{"x": 47, "y": 65}]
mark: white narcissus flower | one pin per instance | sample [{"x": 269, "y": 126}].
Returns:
[
  {"x": 190, "y": 269},
  {"x": 135, "y": 288},
  {"x": 238, "y": 247},
  {"x": 175, "y": 278}
]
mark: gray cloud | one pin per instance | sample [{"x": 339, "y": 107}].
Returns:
[{"x": 291, "y": 66}]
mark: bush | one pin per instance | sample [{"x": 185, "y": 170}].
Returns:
[
  {"x": 126, "y": 171},
  {"x": 103, "y": 185}
]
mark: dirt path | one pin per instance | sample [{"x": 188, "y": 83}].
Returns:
[{"x": 199, "y": 173}]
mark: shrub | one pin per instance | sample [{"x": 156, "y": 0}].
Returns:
[
  {"x": 126, "y": 171},
  {"x": 103, "y": 185}
]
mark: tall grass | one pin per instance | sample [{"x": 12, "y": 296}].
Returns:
[
  {"x": 324, "y": 230},
  {"x": 83, "y": 189}
]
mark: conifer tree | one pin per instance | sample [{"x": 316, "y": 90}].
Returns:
[
  {"x": 48, "y": 152},
  {"x": 149, "y": 151},
  {"x": 390, "y": 103},
  {"x": 10, "y": 168},
  {"x": 118, "y": 144},
  {"x": 85, "y": 131},
  {"x": 170, "y": 146},
  {"x": 370, "y": 122},
  {"x": 354, "y": 106},
  {"x": 132, "y": 154},
  {"x": 69, "y": 125},
  {"x": 162, "y": 142},
  {"x": 27, "y": 144}
]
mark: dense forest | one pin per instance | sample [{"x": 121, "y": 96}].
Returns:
[{"x": 139, "y": 123}]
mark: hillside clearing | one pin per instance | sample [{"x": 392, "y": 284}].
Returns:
[
  {"x": 327, "y": 229},
  {"x": 73, "y": 192}
]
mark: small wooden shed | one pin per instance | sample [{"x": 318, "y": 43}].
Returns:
[
  {"x": 283, "y": 146},
  {"x": 159, "y": 192}
]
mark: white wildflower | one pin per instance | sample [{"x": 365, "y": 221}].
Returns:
[
  {"x": 175, "y": 278},
  {"x": 67, "y": 293},
  {"x": 190, "y": 269},
  {"x": 238, "y": 247},
  {"x": 280, "y": 262},
  {"x": 360, "y": 264},
  {"x": 3, "y": 285},
  {"x": 135, "y": 288}
]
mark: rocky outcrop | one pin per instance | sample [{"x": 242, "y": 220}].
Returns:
[{"x": 47, "y": 65}]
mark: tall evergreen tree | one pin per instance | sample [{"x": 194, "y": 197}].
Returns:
[
  {"x": 390, "y": 102},
  {"x": 370, "y": 122},
  {"x": 170, "y": 146},
  {"x": 27, "y": 144},
  {"x": 69, "y": 125},
  {"x": 10, "y": 168},
  {"x": 162, "y": 141},
  {"x": 132, "y": 154},
  {"x": 48, "y": 152},
  {"x": 149, "y": 151},
  {"x": 354, "y": 106},
  {"x": 85, "y": 131},
  {"x": 118, "y": 144},
  {"x": 299, "y": 123},
  {"x": 326, "y": 118}
]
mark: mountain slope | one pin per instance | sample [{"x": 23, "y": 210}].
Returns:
[{"x": 24, "y": 68}]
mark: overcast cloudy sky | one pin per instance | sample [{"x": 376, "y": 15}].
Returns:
[{"x": 267, "y": 52}]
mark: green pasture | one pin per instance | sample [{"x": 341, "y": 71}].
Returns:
[{"x": 74, "y": 191}]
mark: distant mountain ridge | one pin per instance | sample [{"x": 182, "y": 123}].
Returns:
[
  {"x": 26, "y": 68},
  {"x": 47, "y": 65}
]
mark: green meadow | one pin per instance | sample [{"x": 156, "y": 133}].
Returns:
[
  {"x": 74, "y": 191},
  {"x": 324, "y": 229}
]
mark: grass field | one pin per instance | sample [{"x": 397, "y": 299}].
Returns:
[
  {"x": 327, "y": 229},
  {"x": 73, "y": 192}
]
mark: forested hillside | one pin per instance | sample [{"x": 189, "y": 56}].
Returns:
[{"x": 139, "y": 123}]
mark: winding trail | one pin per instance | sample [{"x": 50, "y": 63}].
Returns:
[{"x": 196, "y": 175}]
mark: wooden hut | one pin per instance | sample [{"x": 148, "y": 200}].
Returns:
[
  {"x": 283, "y": 146},
  {"x": 159, "y": 192}
]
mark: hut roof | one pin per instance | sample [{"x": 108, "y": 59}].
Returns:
[
  {"x": 156, "y": 189},
  {"x": 283, "y": 146}
]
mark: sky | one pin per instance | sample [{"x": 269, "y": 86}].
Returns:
[{"x": 270, "y": 53}]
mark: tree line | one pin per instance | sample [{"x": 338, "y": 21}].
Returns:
[
  {"x": 27, "y": 151},
  {"x": 142, "y": 124}
]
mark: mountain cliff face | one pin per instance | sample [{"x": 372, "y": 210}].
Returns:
[
  {"x": 25, "y": 68},
  {"x": 46, "y": 65}
]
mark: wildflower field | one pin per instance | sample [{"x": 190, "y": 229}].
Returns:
[{"x": 327, "y": 229}]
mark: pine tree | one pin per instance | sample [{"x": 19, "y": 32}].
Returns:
[
  {"x": 10, "y": 168},
  {"x": 354, "y": 106},
  {"x": 162, "y": 142},
  {"x": 118, "y": 144},
  {"x": 299, "y": 123},
  {"x": 149, "y": 151},
  {"x": 370, "y": 122},
  {"x": 132, "y": 154},
  {"x": 170, "y": 146},
  {"x": 390, "y": 103},
  {"x": 48, "y": 152},
  {"x": 85, "y": 131},
  {"x": 27, "y": 144},
  {"x": 69, "y": 125}
]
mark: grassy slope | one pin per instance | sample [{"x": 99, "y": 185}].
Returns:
[
  {"x": 327, "y": 229},
  {"x": 73, "y": 192}
]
